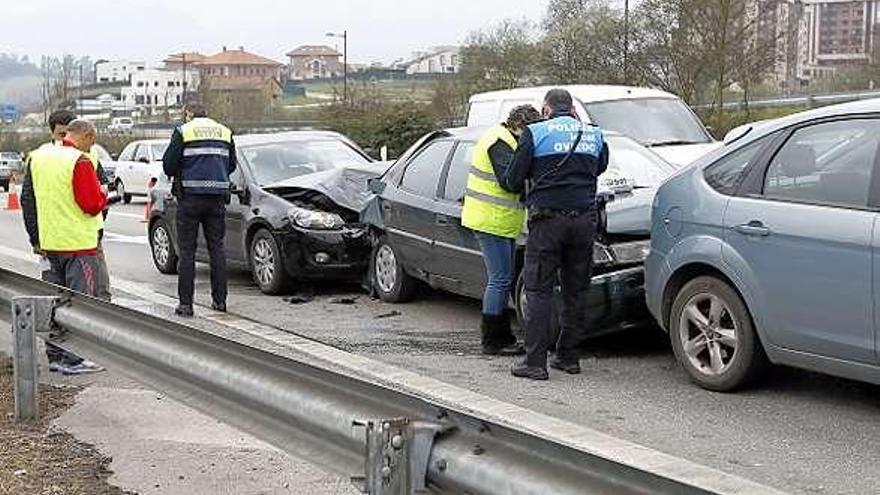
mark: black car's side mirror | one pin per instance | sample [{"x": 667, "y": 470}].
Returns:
[
  {"x": 243, "y": 196},
  {"x": 376, "y": 185}
]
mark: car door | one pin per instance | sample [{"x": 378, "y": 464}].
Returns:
[
  {"x": 125, "y": 165},
  {"x": 805, "y": 230},
  {"x": 152, "y": 169},
  {"x": 141, "y": 174},
  {"x": 409, "y": 206},
  {"x": 235, "y": 217},
  {"x": 457, "y": 261}
]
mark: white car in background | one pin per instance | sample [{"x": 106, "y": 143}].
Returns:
[
  {"x": 139, "y": 167},
  {"x": 121, "y": 124},
  {"x": 656, "y": 119}
]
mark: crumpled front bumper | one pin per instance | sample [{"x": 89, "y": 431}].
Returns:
[
  {"x": 326, "y": 254},
  {"x": 616, "y": 301}
]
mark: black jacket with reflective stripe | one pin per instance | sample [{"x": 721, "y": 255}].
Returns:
[{"x": 199, "y": 167}]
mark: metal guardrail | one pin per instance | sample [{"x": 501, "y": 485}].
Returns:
[
  {"x": 395, "y": 442},
  {"x": 805, "y": 100}
]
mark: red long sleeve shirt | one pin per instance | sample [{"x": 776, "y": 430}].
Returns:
[
  {"x": 87, "y": 193},
  {"x": 86, "y": 186}
]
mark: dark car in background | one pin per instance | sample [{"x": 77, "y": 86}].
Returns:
[
  {"x": 418, "y": 236},
  {"x": 293, "y": 212}
]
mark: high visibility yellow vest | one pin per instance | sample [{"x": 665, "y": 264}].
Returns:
[
  {"x": 62, "y": 225},
  {"x": 487, "y": 207}
]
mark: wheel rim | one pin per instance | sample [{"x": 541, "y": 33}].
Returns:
[
  {"x": 264, "y": 262},
  {"x": 709, "y": 334},
  {"x": 120, "y": 189},
  {"x": 386, "y": 268},
  {"x": 161, "y": 245}
]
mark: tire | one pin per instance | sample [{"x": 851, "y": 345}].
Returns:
[
  {"x": 519, "y": 302},
  {"x": 5, "y": 185},
  {"x": 389, "y": 279},
  {"x": 721, "y": 355},
  {"x": 267, "y": 266},
  {"x": 120, "y": 189},
  {"x": 162, "y": 249}
]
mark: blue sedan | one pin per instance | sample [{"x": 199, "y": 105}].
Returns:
[{"x": 767, "y": 250}]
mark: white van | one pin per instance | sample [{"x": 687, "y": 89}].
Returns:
[{"x": 657, "y": 119}]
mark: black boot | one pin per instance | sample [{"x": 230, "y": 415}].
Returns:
[
  {"x": 184, "y": 310},
  {"x": 498, "y": 340}
]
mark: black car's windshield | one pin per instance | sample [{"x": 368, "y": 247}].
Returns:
[
  {"x": 650, "y": 121},
  {"x": 634, "y": 162},
  {"x": 276, "y": 162}
]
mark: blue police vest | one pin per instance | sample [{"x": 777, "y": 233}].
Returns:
[
  {"x": 572, "y": 185},
  {"x": 206, "y": 155},
  {"x": 557, "y": 136}
]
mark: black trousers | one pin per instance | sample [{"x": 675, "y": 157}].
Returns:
[
  {"x": 209, "y": 212},
  {"x": 559, "y": 249}
]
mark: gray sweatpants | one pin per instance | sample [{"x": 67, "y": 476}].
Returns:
[
  {"x": 103, "y": 276},
  {"x": 76, "y": 272}
]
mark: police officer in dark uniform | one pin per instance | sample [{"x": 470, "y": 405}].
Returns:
[
  {"x": 557, "y": 164},
  {"x": 200, "y": 158}
]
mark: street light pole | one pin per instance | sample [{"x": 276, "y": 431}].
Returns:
[
  {"x": 183, "y": 96},
  {"x": 345, "y": 66},
  {"x": 626, "y": 41},
  {"x": 344, "y": 37}
]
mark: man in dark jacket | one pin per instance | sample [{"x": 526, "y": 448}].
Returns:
[
  {"x": 557, "y": 164},
  {"x": 200, "y": 158}
]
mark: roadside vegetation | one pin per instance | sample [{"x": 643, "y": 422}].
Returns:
[{"x": 37, "y": 459}]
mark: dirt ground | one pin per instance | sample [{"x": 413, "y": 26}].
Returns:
[{"x": 38, "y": 460}]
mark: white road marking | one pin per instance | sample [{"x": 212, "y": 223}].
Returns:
[
  {"x": 125, "y": 239},
  {"x": 124, "y": 215}
]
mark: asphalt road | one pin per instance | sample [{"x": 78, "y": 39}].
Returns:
[{"x": 799, "y": 432}]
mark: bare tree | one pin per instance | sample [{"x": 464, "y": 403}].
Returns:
[
  {"x": 701, "y": 48},
  {"x": 500, "y": 57},
  {"x": 583, "y": 43},
  {"x": 667, "y": 52}
]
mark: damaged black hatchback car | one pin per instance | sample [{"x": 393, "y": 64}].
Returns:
[{"x": 293, "y": 211}]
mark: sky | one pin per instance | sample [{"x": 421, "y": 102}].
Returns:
[{"x": 149, "y": 30}]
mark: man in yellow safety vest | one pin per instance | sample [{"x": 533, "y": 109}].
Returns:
[
  {"x": 68, "y": 201},
  {"x": 497, "y": 218}
]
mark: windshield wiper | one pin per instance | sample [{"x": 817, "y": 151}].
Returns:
[{"x": 672, "y": 142}]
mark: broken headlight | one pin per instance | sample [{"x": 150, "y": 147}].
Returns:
[
  {"x": 601, "y": 254},
  {"x": 317, "y": 220},
  {"x": 631, "y": 252}
]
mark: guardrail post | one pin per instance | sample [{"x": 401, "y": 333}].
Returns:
[
  {"x": 397, "y": 455},
  {"x": 29, "y": 316}
]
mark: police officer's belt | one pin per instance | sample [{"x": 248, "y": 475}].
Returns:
[{"x": 539, "y": 213}]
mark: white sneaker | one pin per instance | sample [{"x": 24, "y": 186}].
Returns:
[{"x": 82, "y": 368}]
